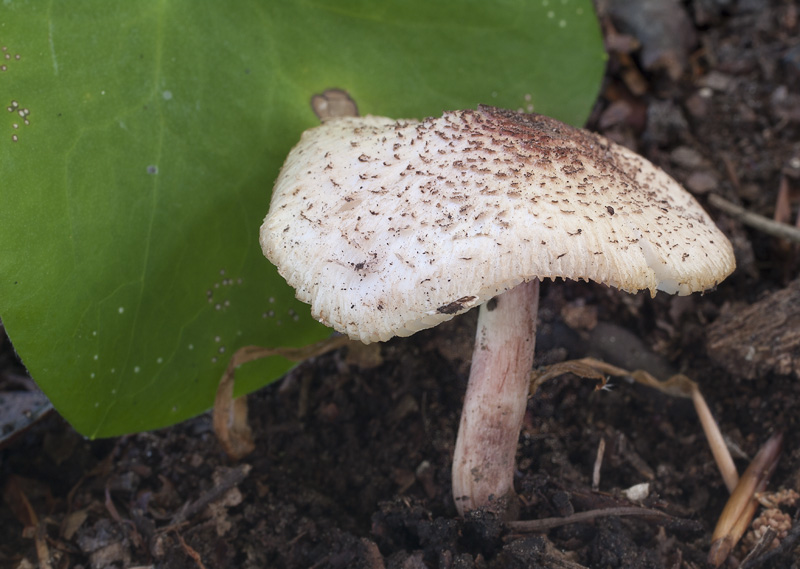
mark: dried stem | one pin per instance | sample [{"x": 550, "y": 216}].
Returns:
[
  {"x": 715, "y": 440},
  {"x": 677, "y": 386},
  {"x": 742, "y": 505},
  {"x": 230, "y": 415}
]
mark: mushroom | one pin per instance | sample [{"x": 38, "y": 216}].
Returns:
[{"x": 387, "y": 227}]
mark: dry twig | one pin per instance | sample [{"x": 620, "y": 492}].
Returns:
[
  {"x": 756, "y": 221},
  {"x": 598, "y": 463},
  {"x": 764, "y": 544},
  {"x": 783, "y": 550},
  {"x": 549, "y": 523}
]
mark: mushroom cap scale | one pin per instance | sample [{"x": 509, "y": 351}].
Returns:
[{"x": 388, "y": 227}]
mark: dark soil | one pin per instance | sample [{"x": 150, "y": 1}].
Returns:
[{"x": 353, "y": 453}]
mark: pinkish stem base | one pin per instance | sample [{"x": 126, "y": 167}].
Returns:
[{"x": 495, "y": 402}]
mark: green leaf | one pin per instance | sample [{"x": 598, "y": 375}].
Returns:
[{"x": 138, "y": 145}]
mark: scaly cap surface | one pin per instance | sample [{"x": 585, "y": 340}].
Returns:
[{"x": 388, "y": 227}]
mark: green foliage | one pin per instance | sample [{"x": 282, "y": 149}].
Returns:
[{"x": 139, "y": 142}]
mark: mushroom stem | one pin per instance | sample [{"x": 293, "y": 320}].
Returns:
[{"x": 495, "y": 402}]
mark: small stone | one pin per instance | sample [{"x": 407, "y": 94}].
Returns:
[
  {"x": 637, "y": 492},
  {"x": 687, "y": 157},
  {"x": 616, "y": 113},
  {"x": 666, "y": 123},
  {"x": 702, "y": 182},
  {"x": 717, "y": 81},
  {"x": 696, "y": 105},
  {"x": 578, "y": 316}
]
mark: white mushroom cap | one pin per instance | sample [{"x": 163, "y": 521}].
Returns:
[{"x": 388, "y": 227}]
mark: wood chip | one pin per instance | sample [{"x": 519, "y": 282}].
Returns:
[{"x": 759, "y": 339}]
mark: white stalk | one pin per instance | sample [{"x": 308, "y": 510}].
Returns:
[{"x": 495, "y": 402}]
